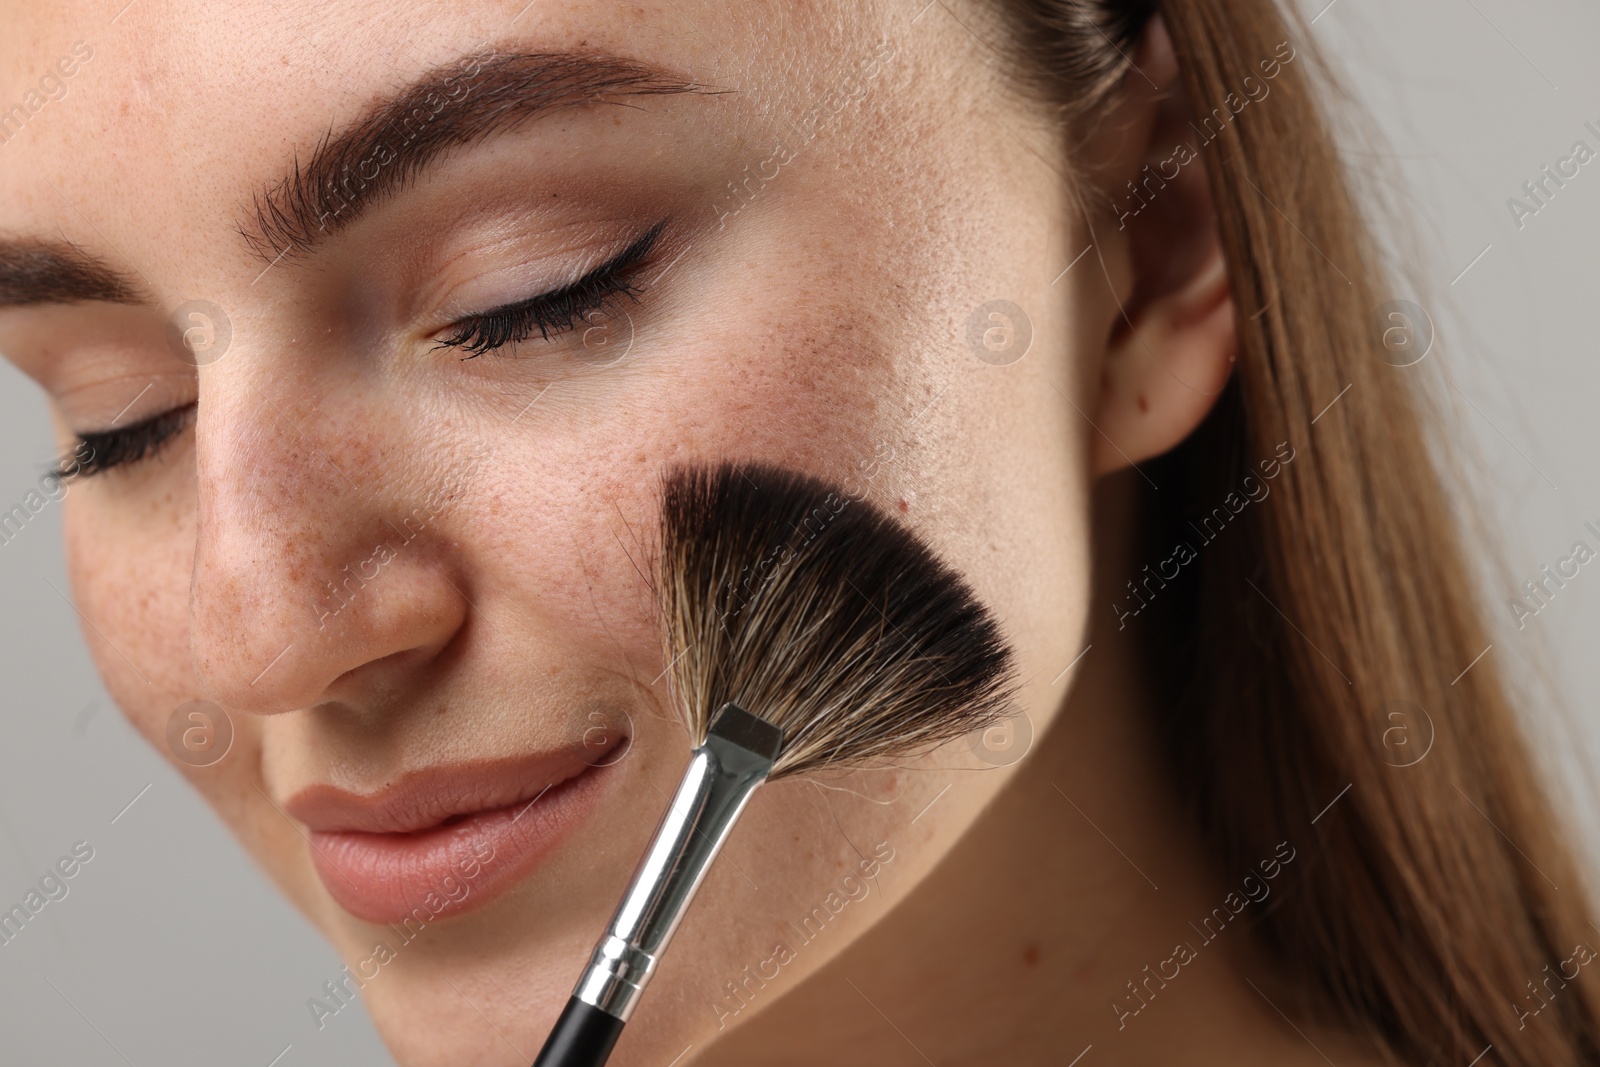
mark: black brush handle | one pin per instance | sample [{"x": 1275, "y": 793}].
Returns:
[{"x": 582, "y": 1037}]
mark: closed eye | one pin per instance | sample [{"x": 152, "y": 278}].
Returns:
[
  {"x": 100, "y": 451},
  {"x": 558, "y": 311}
]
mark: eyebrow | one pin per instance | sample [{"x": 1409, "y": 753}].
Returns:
[
  {"x": 51, "y": 272},
  {"x": 395, "y": 139},
  {"x": 386, "y": 148}
]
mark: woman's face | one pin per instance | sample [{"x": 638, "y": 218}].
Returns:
[{"x": 413, "y": 580}]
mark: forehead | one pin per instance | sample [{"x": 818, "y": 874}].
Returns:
[{"x": 120, "y": 122}]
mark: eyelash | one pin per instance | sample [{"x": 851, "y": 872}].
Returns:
[
  {"x": 555, "y": 312},
  {"x": 99, "y": 452}
]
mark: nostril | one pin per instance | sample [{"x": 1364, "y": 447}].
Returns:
[{"x": 392, "y": 665}]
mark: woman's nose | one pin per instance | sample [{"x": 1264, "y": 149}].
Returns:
[{"x": 322, "y": 546}]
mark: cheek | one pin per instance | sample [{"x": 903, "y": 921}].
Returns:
[
  {"x": 129, "y": 564},
  {"x": 568, "y": 516}
]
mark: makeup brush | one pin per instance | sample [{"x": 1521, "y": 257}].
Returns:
[{"x": 803, "y": 630}]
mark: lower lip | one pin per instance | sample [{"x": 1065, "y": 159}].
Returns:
[{"x": 429, "y": 874}]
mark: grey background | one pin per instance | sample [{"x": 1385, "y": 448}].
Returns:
[{"x": 171, "y": 948}]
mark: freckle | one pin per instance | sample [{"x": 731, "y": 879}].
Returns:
[
  {"x": 1030, "y": 955},
  {"x": 904, "y": 507},
  {"x": 1144, "y": 405}
]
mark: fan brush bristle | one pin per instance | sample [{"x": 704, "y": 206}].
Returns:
[{"x": 821, "y": 615}]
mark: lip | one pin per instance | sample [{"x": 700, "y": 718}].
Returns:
[{"x": 445, "y": 839}]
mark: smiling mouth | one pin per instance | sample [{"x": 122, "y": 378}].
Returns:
[{"x": 450, "y": 838}]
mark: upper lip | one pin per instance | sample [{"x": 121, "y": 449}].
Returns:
[{"x": 427, "y": 797}]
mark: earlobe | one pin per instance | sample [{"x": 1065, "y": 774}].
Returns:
[{"x": 1164, "y": 372}]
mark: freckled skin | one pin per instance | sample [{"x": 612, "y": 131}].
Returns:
[{"x": 823, "y": 327}]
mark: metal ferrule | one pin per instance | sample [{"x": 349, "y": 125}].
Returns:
[{"x": 723, "y": 772}]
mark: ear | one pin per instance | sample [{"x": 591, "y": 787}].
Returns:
[{"x": 1170, "y": 351}]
